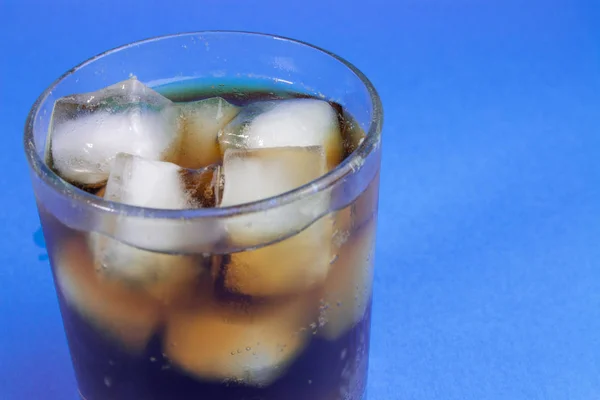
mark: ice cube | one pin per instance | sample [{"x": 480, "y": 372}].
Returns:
[
  {"x": 88, "y": 130},
  {"x": 204, "y": 186},
  {"x": 251, "y": 344},
  {"x": 291, "y": 265},
  {"x": 256, "y": 174},
  {"x": 168, "y": 278},
  {"x": 153, "y": 184},
  {"x": 146, "y": 183},
  {"x": 358, "y": 213},
  {"x": 127, "y": 315},
  {"x": 202, "y": 121},
  {"x": 366, "y": 204},
  {"x": 283, "y": 123},
  {"x": 347, "y": 290}
]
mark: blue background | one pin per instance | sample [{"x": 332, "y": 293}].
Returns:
[{"x": 488, "y": 267}]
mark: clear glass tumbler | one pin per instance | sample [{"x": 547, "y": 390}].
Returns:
[{"x": 177, "y": 336}]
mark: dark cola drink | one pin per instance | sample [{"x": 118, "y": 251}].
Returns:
[{"x": 146, "y": 317}]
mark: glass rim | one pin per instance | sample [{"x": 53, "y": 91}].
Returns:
[{"x": 351, "y": 164}]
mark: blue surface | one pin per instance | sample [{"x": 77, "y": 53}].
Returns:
[{"x": 488, "y": 258}]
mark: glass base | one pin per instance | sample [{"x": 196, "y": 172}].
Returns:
[{"x": 364, "y": 396}]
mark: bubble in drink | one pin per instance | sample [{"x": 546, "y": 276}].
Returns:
[
  {"x": 202, "y": 121},
  {"x": 252, "y": 344},
  {"x": 291, "y": 265},
  {"x": 128, "y": 316},
  {"x": 154, "y": 184},
  {"x": 88, "y": 130},
  {"x": 288, "y": 123}
]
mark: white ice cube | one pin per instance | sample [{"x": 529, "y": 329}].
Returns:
[
  {"x": 146, "y": 183},
  {"x": 152, "y": 184},
  {"x": 202, "y": 121},
  {"x": 291, "y": 265},
  {"x": 159, "y": 185},
  {"x": 347, "y": 290},
  {"x": 282, "y": 123},
  {"x": 122, "y": 312},
  {"x": 257, "y": 174},
  {"x": 88, "y": 130},
  {"x": 168, "y": 278},
  {"x": 249, "y": 344}
]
